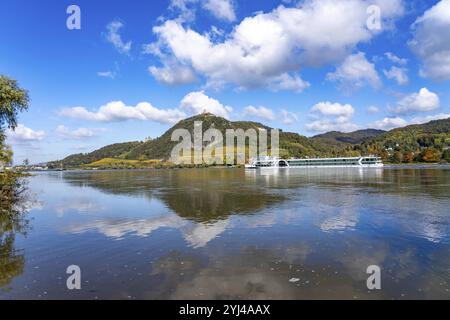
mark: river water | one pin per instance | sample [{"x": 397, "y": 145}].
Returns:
[{"x": 232, "y": 234}]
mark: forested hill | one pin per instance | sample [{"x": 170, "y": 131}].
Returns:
[
  {"x": 428, "y": 142},
  {"x": 117, "y": 150},
  {"x": 292, "y": 144},
  {"x": 348, "y": 137},
  {"x": 425, "y": 142}
]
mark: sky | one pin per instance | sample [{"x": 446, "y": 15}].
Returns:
[{"x": 113, "y": 71}]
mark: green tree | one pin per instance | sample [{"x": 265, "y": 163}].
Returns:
[
  {"x": 446, "y": 155},
  {"x": 13, "y": 100},
  {"x": 408, "y": 157},
  {"x": 430, "y": 155},
  {"x": 5, "y": 152},
  {"x": 397, "y": 157},
  {"x": 143, "y": 158}
]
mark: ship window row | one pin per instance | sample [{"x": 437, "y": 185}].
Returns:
[
  {"x": 323, "y": 163},
  {"x": 263, "y": 164},
  {"x": 370, "y": 161},
  {"x": 305, "y": 162}
]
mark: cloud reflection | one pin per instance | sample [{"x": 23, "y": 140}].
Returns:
[{"x": 197, "y": 235}]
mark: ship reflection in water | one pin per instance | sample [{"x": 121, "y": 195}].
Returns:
[
  {"x": 315, "y": 173},
  {"x": 234, "y": 234}
]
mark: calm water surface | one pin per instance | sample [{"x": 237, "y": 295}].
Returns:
[{"x": 231, "y": 234}]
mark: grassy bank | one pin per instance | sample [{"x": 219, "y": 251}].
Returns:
[
  {"x": 116, "y": 164},
  {"x": 120, "y": 164}
]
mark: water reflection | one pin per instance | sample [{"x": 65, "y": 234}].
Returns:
[
  {"x": 196, "y": 234},
  {"x": 226, "y": 233},
  {"x": 200, "y": 195},
  {"x": 11, "y": 260},
  {"x": 208, "y": 196},
  {"x": 13, "y": 222}
]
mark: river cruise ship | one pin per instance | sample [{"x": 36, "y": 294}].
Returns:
[{"x": 273, "y": 162}]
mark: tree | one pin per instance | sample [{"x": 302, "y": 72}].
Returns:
[
  {"x": 12, "y": 219},
  {"x": 446, "y": 155},
  {"x": 383, "y": 154},
  {"x": 430, "y": 155},
  {"x": 142, "y": 158},
  {"x": 397, "y": 157},
  {"x": 408, "y": 157},
  {"x": 5, "y": 152},
  {"x": 13, "y": 100}
]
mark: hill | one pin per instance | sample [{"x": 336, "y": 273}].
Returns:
[
  {"x": 118, "y": 150},
  {"x": 428, "y": 142},
  {"x": 291, "y": 144},
  {"x": 355, "y": 137},
  {"x": 425, "y": 142},
  {"x": 161, "y": 147}
]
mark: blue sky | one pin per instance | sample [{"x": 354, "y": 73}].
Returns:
[{"x": 133, "y": 70}]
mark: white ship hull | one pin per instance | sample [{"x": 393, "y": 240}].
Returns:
[
  {"x": 349, "y": 166},
  {"x": 351, "y": 162}
]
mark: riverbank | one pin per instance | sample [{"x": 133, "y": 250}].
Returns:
[
  {"x": 179, "y": 167},
  {"x": 416, "y": 165}
]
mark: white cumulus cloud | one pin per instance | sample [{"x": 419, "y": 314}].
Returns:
[
  {"x": 173, "y": 75},
  {"x": 424, "y": 119},
  {"x": 389, "y": 123},
  {"x": 326, "y": 125},
  {"x": 355, "y": 72},
  {"x": 269, "y": 49},
  {"x": 183, "y": 6},
  {"x": 395, "y": 122},
  {"x": 398, "y": 74},
  {"x": 80, "y": 133},
  {"x": 115, "y": 38},
  {"x": 421, "y": 101},
  {"x": 198, "y": 102},
  {"x": 373, "y": 109},
  {"x": 117, "y": 111},
  {"x": 24, "y": 134},
  {"x": 259, "y": 112},
  {"x": 289, "y": 117},
  {"x": 333, "y": 117},
  {"x": 431, "y": 41},
  {"x": 334, "y": 109},
  {"x": 395, "y": 59},
  {"x": 222, "y": 9},
  {"x": 195, "y": 102}
]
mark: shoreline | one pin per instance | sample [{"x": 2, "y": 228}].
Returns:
[{"x": 386, "y": 166}]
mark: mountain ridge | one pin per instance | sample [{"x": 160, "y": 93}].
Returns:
[
  {"x": 413, "y": 139},
  {"x": 349, "y": 137}
]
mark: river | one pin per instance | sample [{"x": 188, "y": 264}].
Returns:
[{"x": 232, "y": 234}]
